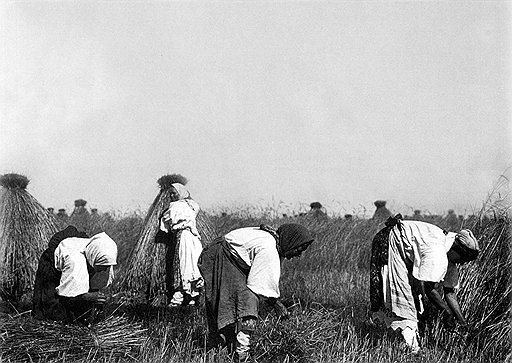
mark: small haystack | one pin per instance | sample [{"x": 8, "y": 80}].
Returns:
[
  {"x": 316, "y": 212},
  {"x": 381, "y": 212},
  {"x": 25, "y": 229},
  {"x": 451, "y": 222},
  {"x": 417, "y": 215},
  {"x": 80, "y": 218},
  {"x": 62, "y": 218},
  {"x": 145, "y": 273}
]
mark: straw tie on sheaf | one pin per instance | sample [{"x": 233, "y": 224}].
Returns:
[
  {"x": 166, "y": 181},
  {"x": 14, "y": 181}
]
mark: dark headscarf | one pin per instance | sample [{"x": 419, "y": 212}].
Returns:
[
  {"x": 69, "y": 231},
  {"x": 291, "y": 236}
]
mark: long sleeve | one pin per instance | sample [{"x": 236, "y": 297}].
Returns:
[
  {"x": 74, "y": 280},
  {"x": 265, "y": 272}
]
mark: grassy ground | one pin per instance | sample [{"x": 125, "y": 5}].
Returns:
[{"x": 326, "y": 291}]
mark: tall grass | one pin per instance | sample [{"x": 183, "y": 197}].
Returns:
[{"x": 326, "y": 291}]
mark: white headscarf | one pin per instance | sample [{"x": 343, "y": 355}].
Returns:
[
  {"x": 182, "y": 191},
  {"x": 71, "y": 258},
  {"x": 101, "y": 250},
  {"x": 468, "y": 239}
]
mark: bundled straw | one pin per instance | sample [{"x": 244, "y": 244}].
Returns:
[
  {"x": 24, "y": 339},
  {"x": 25, "y": 229},
  {"x": 146, "y": 266},
  {"x": 486, "y": 289}
]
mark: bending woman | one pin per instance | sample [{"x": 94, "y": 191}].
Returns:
[
  {"x": 410, "y": 260},
  {"x": 237, "y": 269},
  {"x": 71, "y": 273}
]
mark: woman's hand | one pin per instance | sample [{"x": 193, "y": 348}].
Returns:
[
  {"x": 97, "y": 297},
  {"x": 449, "y": 321},
  {"x": 278, "y": 307},
  {"x": 281, "y": 310}
]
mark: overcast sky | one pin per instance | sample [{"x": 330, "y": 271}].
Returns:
[{"x": 257, "y": 103}]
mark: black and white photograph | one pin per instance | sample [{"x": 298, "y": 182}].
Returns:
[{"x": 255, "y": 181}]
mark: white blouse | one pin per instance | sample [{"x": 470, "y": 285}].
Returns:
[{"x": 258, "y": 249}]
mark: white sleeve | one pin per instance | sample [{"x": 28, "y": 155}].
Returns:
[
  {"x": 265, "y": 271},
  {"x": 183, "y": 217},
  {"x": 430, "y": 260},
  {"x": 74, "y": 280},
  {"x": 163, "y": 225}
]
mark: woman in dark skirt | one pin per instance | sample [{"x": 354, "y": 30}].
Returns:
[
  {"x": 67, "y": 287},
  {"x": 240, "y": 267}
]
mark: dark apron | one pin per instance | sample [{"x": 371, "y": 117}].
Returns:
[{"x": 227, "y": 297}]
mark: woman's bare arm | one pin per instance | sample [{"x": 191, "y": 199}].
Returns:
[
  {"x": 439, "y": 302},
  {"x": 453, "y": 304}
]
